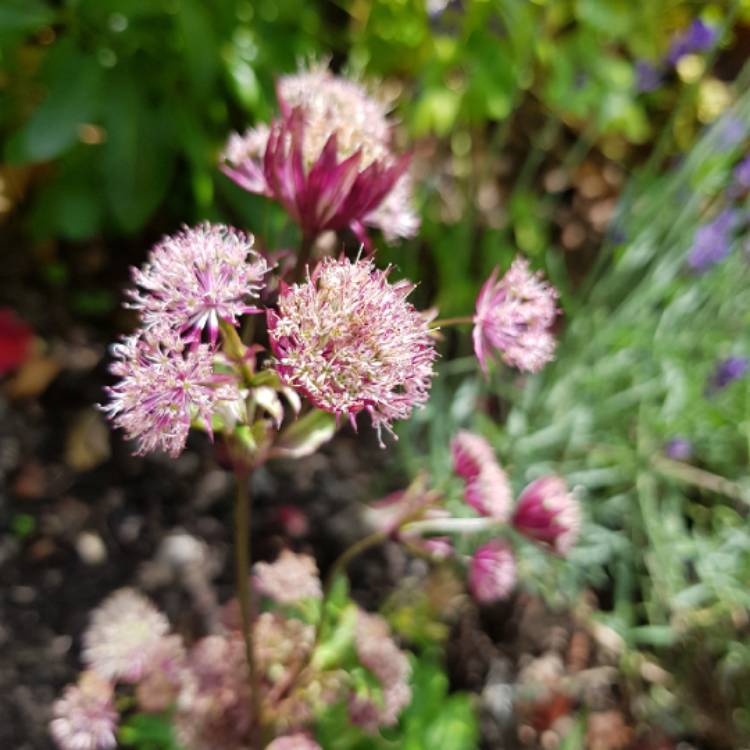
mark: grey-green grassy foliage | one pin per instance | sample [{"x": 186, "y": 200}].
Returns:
[{"x": 667, "y": 548}]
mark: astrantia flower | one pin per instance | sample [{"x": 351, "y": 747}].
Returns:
[
  {"x": 492, "y": 572},
  {"x": 197, "y": 278},
  {"x": 380, "y": 655},
  {"x": 289, "y": 579},
  {"x": 124, "y": 636},
  {"x": 164, "y": 385},
  {"x": 85, "y": 717},
  {"x": 350, "y": 341},
  {"x": 487, "y": 489},
  {"x": 514, "y": 316},
  {"x": 294, "y": 742},
  {"x": 548, "y": 513},
  {"x": 327, "y": 159}
]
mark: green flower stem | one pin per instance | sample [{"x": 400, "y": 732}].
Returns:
[
  {"x": 458, "y": 321},
  {"x": 453, "y": 525}
]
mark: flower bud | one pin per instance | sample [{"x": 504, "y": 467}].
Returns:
[
  {"x": 549, "y": 514},
  {"x": 492, "y": 572}
]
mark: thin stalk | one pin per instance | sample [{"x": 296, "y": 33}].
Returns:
[
  {"x": 304, "y": 256},
  {"x": 242, "y": 520},
  {"x": 458, "y": 321},
  {"x": 452, "y": 525}
]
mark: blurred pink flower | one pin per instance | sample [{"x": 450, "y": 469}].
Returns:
[
  {"x": 492, "y": 572},
  {"x": 548, "y": 513},
  {"x": 164, "y": 385},
  {"x": 85, "y": 717},
  {"x": 514, "y": 317},
  {"x": 125, "y": 634},
  {"x": 487, "y": 488},
  {"x": 380, "y": 655},
  {"x": 294, "y": 742},
  {"x": 16, "y": 340},
  {"x": 327, "y": 159},
  {"x": 290, "y": 578},
  {"x": 197, "y": 278},
  {"x": 350, "y": 341}
]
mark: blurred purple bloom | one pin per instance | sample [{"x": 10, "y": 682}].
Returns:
[
  {"x": 712, "y": 242},
  {"x": 698, "y": 37},
  {"x": 731, "y": 130},
  {"x": 648, "y": 76},
  {"x": 679, "y": 449},
  {"x": 742, "y": 174},
  {"x": 727, "y": 371}
]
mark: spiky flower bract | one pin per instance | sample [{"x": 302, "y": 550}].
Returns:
[
  {"x": 290, "y": 578},
  {"x": 349, "y": 340},
  {"x": 492, "y": 572},
  {"x": 125, "y": 633},
  {"x": 85, "y": 717},
  {"x": 164, "y": 386},
  {"x": 197, "y": 278},
  {"x": 549, "y": 513},
  {"x": 513, "y": 317},
  {"x": 327, "y": 159},
  {"x": 487, "y": 489}
]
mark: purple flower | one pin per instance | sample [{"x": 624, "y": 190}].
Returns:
[
  {"x": 514, "y": 317},
  {"x": 198, "y": 278},
  {"x": 487, "y": 489},
  {"x": 164, "y": 386},
  {"x": 698, "y": 37},
  {"x": 712, "y": 242},
  {"x": 727, "y": 371},
  {"x": 648, "y": 76},
  {"x": 327, "y": 159},
  {"x": 679, "y": 449},
  {"x": 731, "y": 130},
  {"x": 492, "y": 572},
  {"x": 742, "y": 174},
  {"x": 350, "y": 341},
  {"x": 85, "y": 717},
  {"x": 549, "y": 514}
]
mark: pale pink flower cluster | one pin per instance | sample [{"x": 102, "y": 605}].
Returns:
[
  {"x": 294, "y": 742},
  {"x": 125, "y": 635},
  {"x": 289, "y": 579},
  {"x": 85, "y": 717},
  {"x": 513, "y": 317},
  {"x": 492, "y": 573},
  {"x": 351, "y": 342},
  {"x": 339, "y": 111},
  {"x": 197, "y": 278},
  {"x": 487, "y": 489},
  {"x": 164, "y": 386},
  {"x": 377, "y": 651}
]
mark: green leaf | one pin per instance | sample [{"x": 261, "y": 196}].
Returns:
[
  {"x": 306, "y": 435},
  {"x": 25, "y": 16}
]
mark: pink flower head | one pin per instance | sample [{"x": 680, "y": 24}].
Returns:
[
  {"x": 492, "y": 572},
  {"x": 380, "y": 655},
  {"x": 350, "y": 341},
  {"x": 164, "y": 385},
  {"x": 125, "y": 634},
  {"x": 514, "y": 317},
  {"x": 327, "y": 159},
  {"x": 548, "y": 513},
  {"x": 197, "y": 278},
  {"x": 487, "y": 489},
  {"x": 297, "y": 741},
  {"x": 289, "y": 579},
  {"x": 85, "y": 717}
]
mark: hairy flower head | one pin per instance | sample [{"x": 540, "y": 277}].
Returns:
[
  {"x": 85, "y": 717},
  {"x": 549, "y": 513},
  {"x": 514, "y": 316},
  {"x": 349, "y": 340},
  {"x": 125, "y": 634},
  {"x": 290, "y": 578},
  {"x": 492, "y": 572},
  {"x": 164, "y": 385},
  {"x": 196, "y": 279}
]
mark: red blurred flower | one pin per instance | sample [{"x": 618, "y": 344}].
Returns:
[{"x": 16, "y": 338}]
